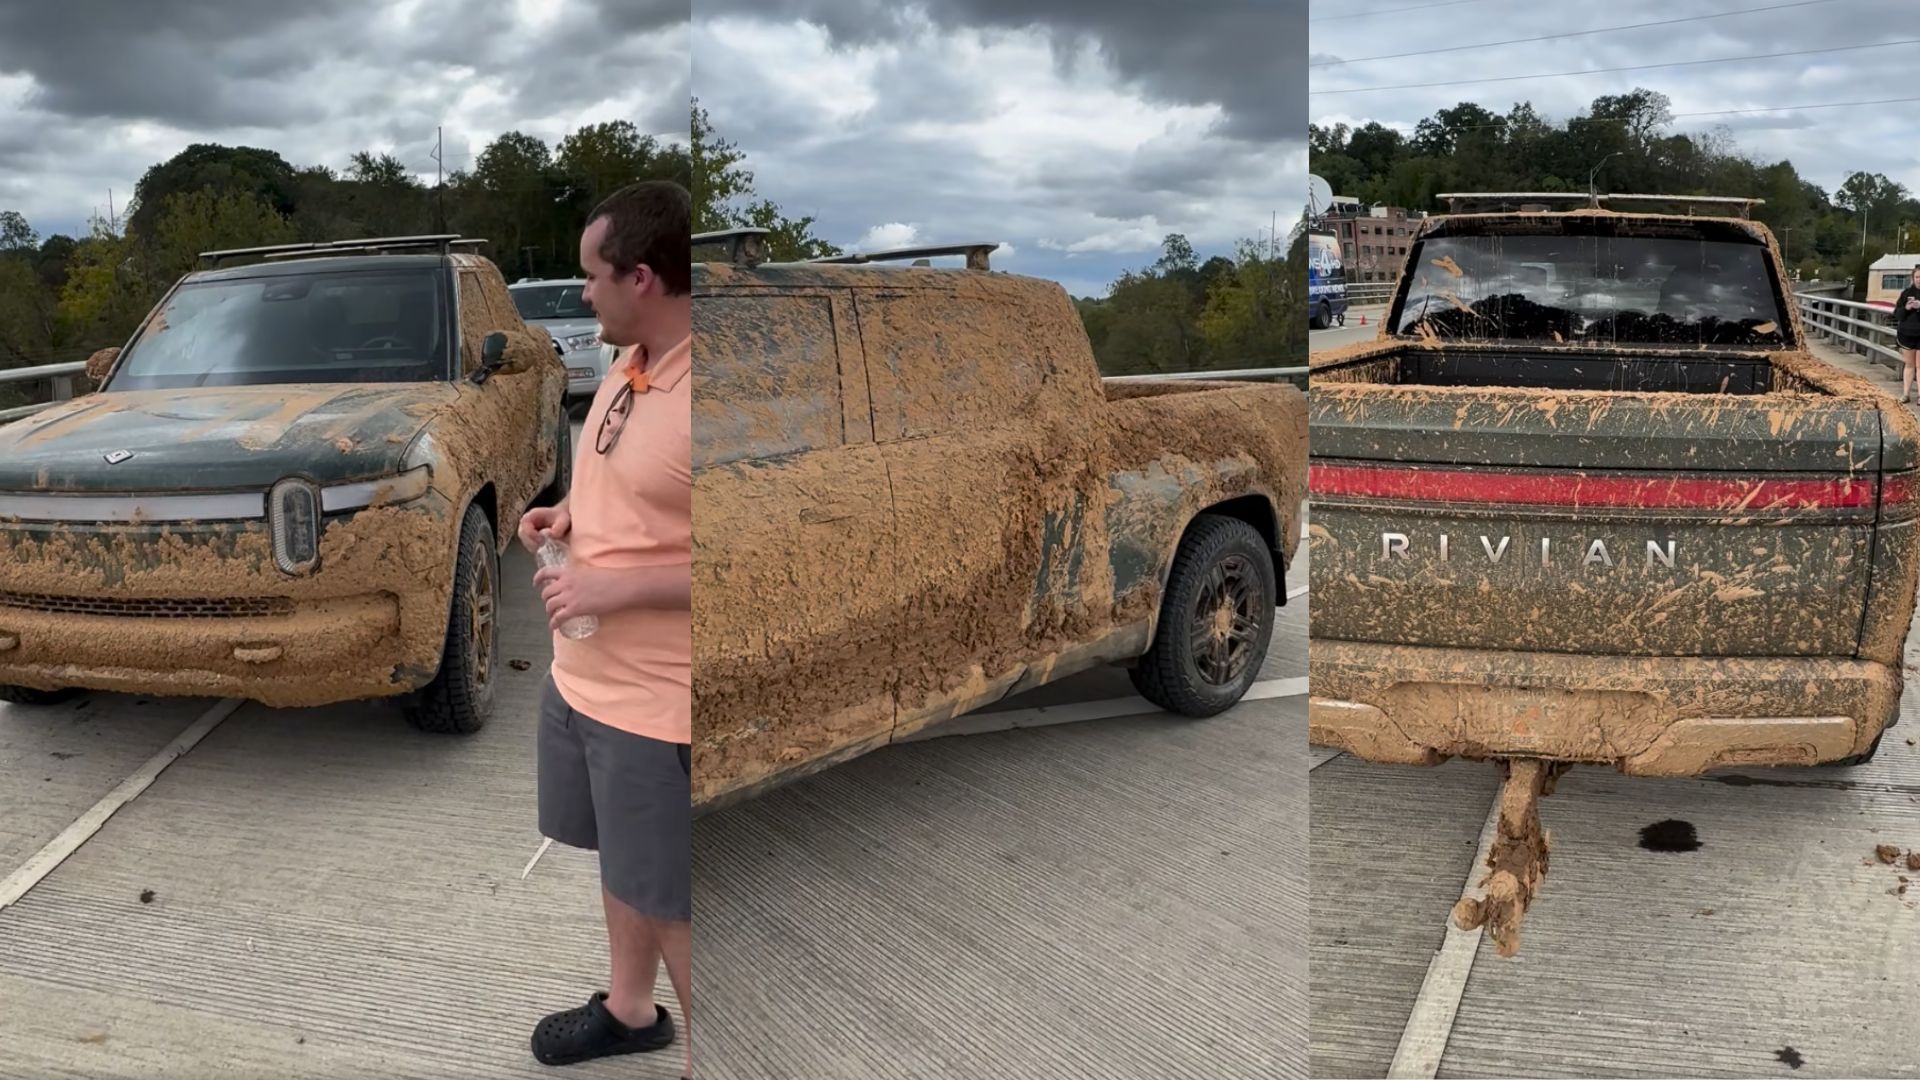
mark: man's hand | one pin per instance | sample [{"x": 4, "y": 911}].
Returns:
[
  {"x": 576, "y": 589},
  {"x": 552, "y": 519}
]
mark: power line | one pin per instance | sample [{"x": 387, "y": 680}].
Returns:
[
  {"x": 1393, "y": 11},
  {"x": 1575, "y": 33},
  {"x": 1606, "y": 71},
  {"x": 1504, "y": 126}
]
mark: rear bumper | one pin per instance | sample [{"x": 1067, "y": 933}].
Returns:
[{"x": 1647, "y": 716}]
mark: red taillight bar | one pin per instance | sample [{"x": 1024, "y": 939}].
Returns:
[{"x": 1422, "y": 484}]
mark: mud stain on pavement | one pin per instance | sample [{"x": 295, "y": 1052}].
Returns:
[{"x": 1670, "y": 835}]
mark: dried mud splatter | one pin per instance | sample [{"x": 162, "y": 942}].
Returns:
[{"x": 992, "y": 522}]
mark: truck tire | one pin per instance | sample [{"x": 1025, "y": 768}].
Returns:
[
  {"x": 26, "y": 695},
  {"x": 1319, "y": 319},
  {"x": 562, "y": 465},
  {"x": 1858, "y": 759},
  {"x": 460, "y": 698},
  {"x": 1216, "y": 620}
]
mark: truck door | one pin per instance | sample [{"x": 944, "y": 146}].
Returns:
[
  {"x": 793, "y": 537},
  {"x": 986, "y": 406}
]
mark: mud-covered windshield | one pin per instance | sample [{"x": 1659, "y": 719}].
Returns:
[
  {"x": 344, "y": 327},
  {"x": 1596, "y": 288},
  {"x": 551, "y": 302}
]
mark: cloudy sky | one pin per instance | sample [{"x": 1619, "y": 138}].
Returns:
[
  {"x": 1825, "y": 145},
  {"x": 92, "y": 92},
  {"x": 1080, "y": 132}
]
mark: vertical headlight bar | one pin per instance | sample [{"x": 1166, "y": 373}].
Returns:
[{"x": 293, "y": 516}]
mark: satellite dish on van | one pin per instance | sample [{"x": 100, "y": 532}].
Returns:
[{"x": 1319, "y": 196}]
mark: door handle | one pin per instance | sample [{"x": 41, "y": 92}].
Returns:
[{"x": 829, "y": 512}]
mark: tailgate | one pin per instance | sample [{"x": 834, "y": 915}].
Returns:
[{"x": 1589, "y": 522}]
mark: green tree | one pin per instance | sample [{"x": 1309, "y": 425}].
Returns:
[
  {"x": 724, "y": 198},
  {"x": 204, "y": 220}
]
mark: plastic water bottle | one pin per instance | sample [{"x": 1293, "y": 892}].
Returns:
[{"x": 554, "y": 553}]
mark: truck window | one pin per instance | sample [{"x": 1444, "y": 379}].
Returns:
[
  {"x": 1596, "y": 288},
  {"x": 938, "y": 363},
  {"x": 769, "y": 378}
]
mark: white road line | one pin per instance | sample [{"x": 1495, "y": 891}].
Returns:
[
  {"x": 1424, "y": 1040},
  {"x": 43, "y": 862},
  {"x": 1291, "y": 593},
  {"x": 1080, "y": 711}
]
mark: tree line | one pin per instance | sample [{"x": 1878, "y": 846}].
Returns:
[
  {"x": 1621, "y": 143},
  {"x": 61, "y": 297},
  {"x": 1174, "y": 314}
]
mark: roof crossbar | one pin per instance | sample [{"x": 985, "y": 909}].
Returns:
[
  {"x": 442, "y": 242},
  {"x": 747, "y": 247},
  {"x": 978, "y": 255},
  {"x": 1458, "y": 202}
]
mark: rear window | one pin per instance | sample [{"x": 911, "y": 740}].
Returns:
[
  {"x": 346, "y": 327},
  {"x": 1641, "y": 290},
  {"x": 551, "y": 302}
]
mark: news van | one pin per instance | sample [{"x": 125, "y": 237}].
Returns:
[{"x": 1326, "y": 282}]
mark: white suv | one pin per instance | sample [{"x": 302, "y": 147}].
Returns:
[{"x": 556, "y": 305}]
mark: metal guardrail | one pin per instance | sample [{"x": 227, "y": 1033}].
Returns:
[
  {"x": 1369, "y": 294},
  {"x": 1225, "y": 375},
  {"x": 1851, "y": 325},
  {"x": 60, "y": 375}
]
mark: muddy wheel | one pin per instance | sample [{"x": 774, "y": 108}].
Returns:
[
  {"x": 563, "y": 465},
  {"x": 460, "y": 698},
  {"x": 24, "y": 695},
  {"x": 1215, "y": 620},
  {"x": 1860, "y": 758}
]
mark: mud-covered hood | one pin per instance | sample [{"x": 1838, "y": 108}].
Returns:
[{"x": 217, "y": 438}]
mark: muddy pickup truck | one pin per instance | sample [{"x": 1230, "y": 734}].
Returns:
[
  {"x": 1588, "y": 498},
  {"x": 293, "y": 486},
  {"x": 914, "y": 496}
]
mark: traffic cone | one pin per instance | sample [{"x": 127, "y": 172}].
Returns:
[{"x": 1363, "y": 320}]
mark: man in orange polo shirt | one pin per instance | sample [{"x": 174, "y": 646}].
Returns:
[{"x": 616, "y": 723}]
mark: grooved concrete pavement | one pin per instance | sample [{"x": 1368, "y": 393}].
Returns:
[
  {"x": 1115, "y": 898},
  {"x": 1781, "y": 937},
  {"x": 334, "y": 894}
]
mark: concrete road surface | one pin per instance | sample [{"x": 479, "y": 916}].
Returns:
[
  {"x": 325, "y": 892},
  {"x": 1356, "y": 330},
  {"x": 1781, "y": 946},
  {"x": 1121, "y": 897}
]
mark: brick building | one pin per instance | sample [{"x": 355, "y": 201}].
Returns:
[{"x": 1373, "y": 239}]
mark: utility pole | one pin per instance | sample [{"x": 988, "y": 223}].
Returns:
[
  {"x": 1788, "y": 257},
  {"x": 439, "y": 182},
  {"x": 113, "y": 221}
]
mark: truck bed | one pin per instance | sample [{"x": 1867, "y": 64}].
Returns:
[{"x": 1622, "y": 370}]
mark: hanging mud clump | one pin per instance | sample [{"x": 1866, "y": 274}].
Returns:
[{"x": 1517, "y": 864}]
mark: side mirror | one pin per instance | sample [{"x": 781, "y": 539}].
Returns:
[
  {"x": 496, "y": 359},
  {"x": 101, "y": 362}
]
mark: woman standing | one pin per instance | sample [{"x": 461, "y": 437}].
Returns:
[{"x": 1906, "y": 331}]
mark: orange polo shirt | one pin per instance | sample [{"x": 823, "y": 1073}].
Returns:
[{"x": 632, "y": 507}]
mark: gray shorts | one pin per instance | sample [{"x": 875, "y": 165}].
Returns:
[{"x": 624, "y": 795}]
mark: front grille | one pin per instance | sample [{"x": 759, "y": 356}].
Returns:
[{"x": 140, "y": 608}]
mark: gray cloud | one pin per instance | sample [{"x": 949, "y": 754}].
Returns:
[
  {"x": 92, "y": 92},
  {"x": 1824, "y": 145},
  {"x": 1243, "y": 55},
  {"x": 1080, "y": 133}
]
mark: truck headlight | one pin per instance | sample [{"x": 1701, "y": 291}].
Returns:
[
  {"x": 359, "y": 495},
  {"x": 293, "y": 517}
]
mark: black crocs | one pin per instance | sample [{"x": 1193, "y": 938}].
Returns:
[{"x": 590, "y": 1031}]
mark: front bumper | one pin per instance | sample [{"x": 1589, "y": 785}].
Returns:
[
  {"x": 204, "y": 611},
  {"x": 1647, "y": 716}
]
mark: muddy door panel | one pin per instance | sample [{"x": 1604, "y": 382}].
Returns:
[
  {"x": 1001, "y": 504},
  {"x": 1592, "y": 524},
  {"x": 794, "y": 545}
]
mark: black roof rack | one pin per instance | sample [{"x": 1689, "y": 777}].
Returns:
[
  {"x": 745, "y": 246},
  {"x": 1461, "y": 202},
  {"x": 444, "y": 243},
  {"x": 977, "y": 255}
]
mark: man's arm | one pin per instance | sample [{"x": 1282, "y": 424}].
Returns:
[{"x": 660, "y": 588}]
